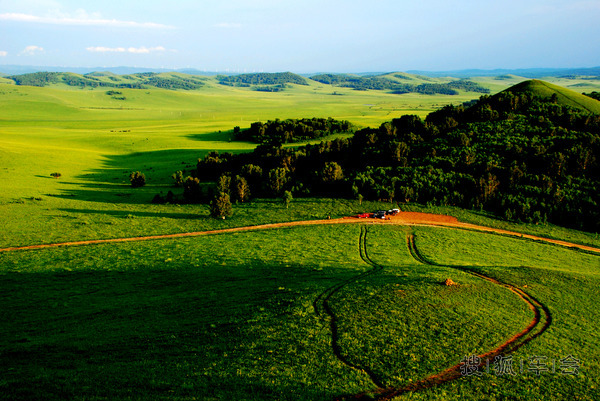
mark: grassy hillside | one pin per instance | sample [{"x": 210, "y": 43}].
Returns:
[
  {"x": 564, "y": 96},
  {"x": 252, "y": 315}
]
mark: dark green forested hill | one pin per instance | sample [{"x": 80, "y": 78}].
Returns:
[
  {"x": 563, "y": 96},
  {"x": 530, "y": 153},
  {"x": 385, "y": 83},
  {"x": 108, "y": 80}
]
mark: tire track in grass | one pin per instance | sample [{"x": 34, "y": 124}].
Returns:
[
  {"x": 322, "y": 307},
  {"x": 532, "y": 331}
]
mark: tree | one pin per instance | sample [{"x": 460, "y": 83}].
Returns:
[
  {"x": 224, "y": 184},
  {"x": 332, "y": 172},
  {"x": 287, "y": 198},
  {"x": 277, "y": 180},
  {"x": 220, "y": 207},
  {"x": 137, "y": 179},
  {"x": 178, "y": 178},
  {"x": 360, "y": 199},
  {"x": 192, "y": 192},
  {"x": 241, "y": 189}
]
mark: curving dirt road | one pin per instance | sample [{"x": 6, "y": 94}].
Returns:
[
  {"x": 540, "y": 322},
  {"x": 403, "y": 218},
  {"x": 542, "y": 319}
]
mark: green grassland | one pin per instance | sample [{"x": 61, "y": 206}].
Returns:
[
  {"x": 243, "y": 316},
  {"x": 95, "y": 141},
  {"x": 236, "y": 316}
]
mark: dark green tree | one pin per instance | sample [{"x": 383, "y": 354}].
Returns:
[
  {"x": 224, "y": 184},
  {"x": 178, "y": 178},
  {"x": 332, "y": 172},
  {"x": 192, "y": 192},
  {"x": 220, "y": 207},
  {"x": 241, "y": 189},
  {"x": 137, "y": 179},
  {"x": 277, "y": 180}
]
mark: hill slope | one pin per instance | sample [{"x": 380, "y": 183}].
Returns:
[{"x": 565, "y": 97}]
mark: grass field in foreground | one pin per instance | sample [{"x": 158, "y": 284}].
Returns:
[{"x": 233, "y": 316}]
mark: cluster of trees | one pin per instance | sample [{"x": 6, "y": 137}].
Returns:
[
  {"x": 426, "y": 89},
  {"x": 116, "y": 95},
  {"x": 137, "y": 179},
  {"x": 36, "y": 78},
  {"x": 271, "y": 88},
  {"x": 593, "y": 95},
  {"x": 518, "y": 155},
  {"x": 383, "y": 83},
  {"x": 174, "y": 83},
  {"x": 263, "y": 78},
  {"x": 292, "y": 130},
  {"x": 356, "y": 82},
  {"x": 88, "y": 81}
]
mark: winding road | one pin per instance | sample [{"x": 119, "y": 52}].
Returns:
[
  {"x": 541, "y": 320},
  {"x": 403, "y": 218}
]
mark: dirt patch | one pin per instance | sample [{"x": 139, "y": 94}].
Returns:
[
  {"x": 449, "y": 282},
  {"x": 422, "y": 218}
]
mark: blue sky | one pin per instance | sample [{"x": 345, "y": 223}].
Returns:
[{"x": 301, "y": 36}]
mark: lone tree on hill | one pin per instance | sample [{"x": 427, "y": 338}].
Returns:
[
  {"x": 220, "y": 207},
  {"x": 137, "y": 179}
]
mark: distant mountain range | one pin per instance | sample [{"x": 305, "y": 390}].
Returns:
[{"x": 527, "y": 73}]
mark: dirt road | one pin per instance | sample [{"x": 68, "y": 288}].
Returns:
[{"x": 403, "y": 218}]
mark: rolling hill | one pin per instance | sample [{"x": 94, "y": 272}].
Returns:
[{"x": 565, "y": 97}]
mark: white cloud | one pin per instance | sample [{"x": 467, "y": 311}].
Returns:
[
  {"x": 81, "y": 18},
  {"x": 32, "y": 50},
  {"x": 134, "y": 50},
  {"x": 3, "y": 53}
]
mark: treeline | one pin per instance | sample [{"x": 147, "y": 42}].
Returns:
[
  {"x": 517, "y": 155},
  {"x": 356, "y": 82},
  {"x": 382, "y": 83},
  {"x": 36, "y": 79},
  {"x": 593, "y": 95},
  {"x": 292, "y": 130},
  {"x": 245, "y": 80},
  {"x": 145, "y": 81},
  {"x": 174, "y": 83}
]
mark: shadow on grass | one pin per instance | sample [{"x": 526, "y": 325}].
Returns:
[
  {"x": 151, "y": 334},
  {"x": 129, "y": 213},
  {"x": 219, "y": 136},
  {"x": 111, "y": 182}
]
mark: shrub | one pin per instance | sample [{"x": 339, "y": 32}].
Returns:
[{"x": 137, "y": 179}]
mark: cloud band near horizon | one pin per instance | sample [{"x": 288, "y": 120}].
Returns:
[
  {"x": 80, "y": 21},
  {"x": 133, "y": 50}
]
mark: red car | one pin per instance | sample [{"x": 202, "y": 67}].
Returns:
[{"x": 364, "y": 215}]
